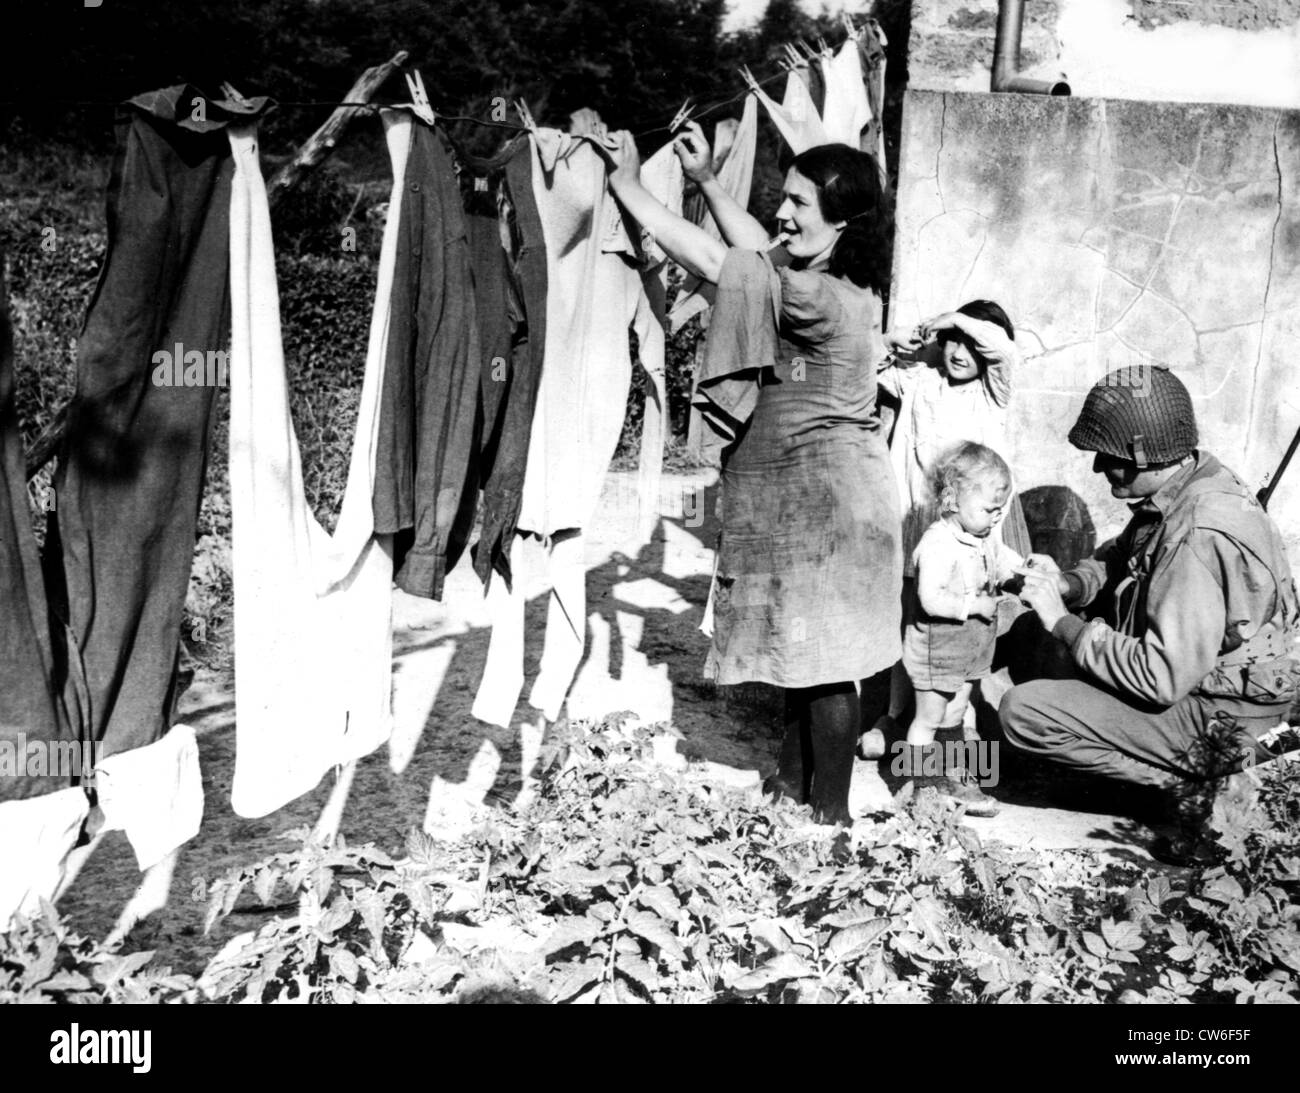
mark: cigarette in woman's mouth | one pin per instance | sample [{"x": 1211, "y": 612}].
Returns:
[{"x": 780, "y": 239}]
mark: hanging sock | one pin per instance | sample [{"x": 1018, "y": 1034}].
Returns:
[
  {"x": 566, "y": 626},
  {"x": 503, "y": 672},
  {"x": 154, "y": 794},
  {"x": 35, "y": 837},
  {"x": 313, "y": 666}
]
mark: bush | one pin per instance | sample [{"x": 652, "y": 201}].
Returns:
[{"x": 628, "y": 881}]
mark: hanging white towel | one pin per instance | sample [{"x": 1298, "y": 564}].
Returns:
[
  {"x": 313, "y": 612},
  {"x": 36, "y": 834},
  {"x": 154, "y": 794}
]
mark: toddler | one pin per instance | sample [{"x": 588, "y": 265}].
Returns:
[{"x": 950, "y": 623}]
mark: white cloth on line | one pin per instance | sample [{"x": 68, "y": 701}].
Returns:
[
  {"x": 796, "y": 117},
  {"x": 36, "y": 835},
  {"x": 153, "y": 794},
  {"x": 663, "y": 177},
  {"x": 847, "y": 110},
  {"x": 313, "y": 612},
  {"x": 593, "y": 293}
]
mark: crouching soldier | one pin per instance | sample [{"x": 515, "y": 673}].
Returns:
[{"x": 1187, "y": 656}]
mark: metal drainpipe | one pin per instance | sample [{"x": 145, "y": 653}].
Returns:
[{"x": 1006, "y": 55}]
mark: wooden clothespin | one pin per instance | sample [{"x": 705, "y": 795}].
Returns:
[
  {"x": 419, "y": 98},
  {"x": 879, "y": 32},
  {"x": 750, "y": 82},
  {"x": 234, "y": 96},
  {"x": 682, "y": 116},
  {"x": 849, "y": 28},
  {"x": 525, "y": 116},
  {"x": 808, "y": 50},
  {"x": 793, "y": 58}
]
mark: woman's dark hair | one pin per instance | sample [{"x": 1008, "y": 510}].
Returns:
[
  {"x": 849, "y": 188},
  {"x": 989, "y": 312}
]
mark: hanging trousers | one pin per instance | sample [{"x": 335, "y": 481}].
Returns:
[{"x": 132, "y": 465}]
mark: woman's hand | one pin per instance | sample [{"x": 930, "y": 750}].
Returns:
[
  {"x": 904, "y": 341},
  {"x": 622, "y": 160},
  {"x": 692, "y": 148}
]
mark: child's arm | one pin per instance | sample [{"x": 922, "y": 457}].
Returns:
[
  {"x": 991, "y": 342},
  {"x": 1007, "y": 563}
]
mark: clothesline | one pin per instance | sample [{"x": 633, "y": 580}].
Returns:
[
  {"x": 371, "y": 107},
  {"x": 700, "y": 112}
]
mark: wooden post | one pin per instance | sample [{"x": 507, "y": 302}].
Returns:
[
  {"x": 321, "y": 143},
  {"x": 318, "y": 146}
]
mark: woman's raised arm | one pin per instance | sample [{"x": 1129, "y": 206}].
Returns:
[
  {"x": 681, "y": 240},
  {"x": 738, "y": 228}
]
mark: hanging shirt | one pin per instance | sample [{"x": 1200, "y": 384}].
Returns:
[
  {"x": 425, "y": 487},
  {"x": 508, "y": 261},
  {"x": 594, "y": 295},
  {"x": 313, "y": 612}
]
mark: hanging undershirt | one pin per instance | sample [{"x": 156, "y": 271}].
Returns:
[
  {"x": 736, "y": 177},
  {"x": 848, "y": 111},
  {"x": 313, "y": 612},
  {"x": 593, "y": 293}
]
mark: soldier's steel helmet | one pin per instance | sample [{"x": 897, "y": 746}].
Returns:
[{"x": 1141, "y": 413}]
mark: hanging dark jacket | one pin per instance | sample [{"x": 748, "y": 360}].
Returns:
[
  {"x": 508, "y": 259},
  {"x": 425, "y": 488}
]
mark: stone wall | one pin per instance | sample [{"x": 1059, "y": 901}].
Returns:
[
  {"x": 1234, "y": 51},
  {"x": 1115, "y": 232}
]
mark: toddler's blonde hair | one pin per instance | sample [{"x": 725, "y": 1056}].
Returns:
[{"x": 966, "y": 467}]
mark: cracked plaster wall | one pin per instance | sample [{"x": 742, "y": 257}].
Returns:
[{"x": 1116, "y": 232}]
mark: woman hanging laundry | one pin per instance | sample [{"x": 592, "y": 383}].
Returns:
[{"x": 810, "y": 567}]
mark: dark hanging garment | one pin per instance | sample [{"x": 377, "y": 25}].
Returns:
[
  {"x": 33, "y": 659},
  {"x": 150, "y": 357},
  {"x": 508, "y": 256},
  {"x": 425, "y": 466}
]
